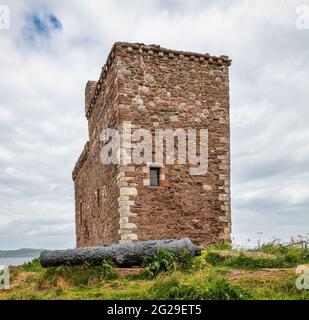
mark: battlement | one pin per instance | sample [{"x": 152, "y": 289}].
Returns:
[{"x": 148, "y": 50}]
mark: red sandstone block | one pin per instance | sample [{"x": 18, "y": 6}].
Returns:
[
  {"x": 165, "y": 183},
  {"x": 164, "y": 170}
]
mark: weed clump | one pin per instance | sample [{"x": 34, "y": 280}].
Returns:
[
  {"x": 162, "y": 262},
  {"x": 185, "y": 261},
  {"x": 32, "y": 266}
]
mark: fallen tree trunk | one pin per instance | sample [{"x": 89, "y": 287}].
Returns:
[{"x": 122, "y": 255}]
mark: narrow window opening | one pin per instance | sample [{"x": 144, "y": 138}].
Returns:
[
  {"x": 81, "y": 213},
  {"x": 155, "y": 176},
  {"x": 98, "y": 198}
]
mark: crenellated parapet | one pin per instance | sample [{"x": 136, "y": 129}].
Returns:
[{"x": 126, "y": 48}]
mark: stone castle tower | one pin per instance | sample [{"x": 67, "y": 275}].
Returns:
[{"x": 153, "y": 87}]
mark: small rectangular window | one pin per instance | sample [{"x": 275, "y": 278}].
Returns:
[
  {"x": 81, "y": 213},
  {"x": 155, "y": 176},
  {"x": 98, "y": 198}
]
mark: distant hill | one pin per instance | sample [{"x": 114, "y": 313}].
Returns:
[{"x": 20, "y": 253}]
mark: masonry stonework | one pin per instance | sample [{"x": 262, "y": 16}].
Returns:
[{"x": 153, "y": 87}]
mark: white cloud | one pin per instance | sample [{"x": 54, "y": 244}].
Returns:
[{"x": 42, "y": 106}]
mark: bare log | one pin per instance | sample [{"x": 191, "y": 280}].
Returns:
[{"x": 122, "y": 255}]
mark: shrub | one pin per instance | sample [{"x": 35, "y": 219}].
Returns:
[
  {"x": 185, "y": 260},
  {"x": 297, "y": 255},
  {"x": 292, "y": 254},
  {"x": 273, "y": 248},
  {"x": 162, "y": 262},
  {"x": 108, "y": 270}
]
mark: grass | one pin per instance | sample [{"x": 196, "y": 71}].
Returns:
[
  {"x": 269, "y": 256},
  {"x": 213, "y": 287},
  {"x": 278, "y": 287},
  {"x": 76, "y": 275},
  {"x": 243, "y": 261},
  {"x": 218, "y": 274},
  {"x": 32, "y": 266}
]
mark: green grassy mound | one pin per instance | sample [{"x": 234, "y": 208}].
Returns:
[{"x": 220, "y": 273}]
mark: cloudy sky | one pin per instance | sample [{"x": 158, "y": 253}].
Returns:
[{"x": 53, "y": 47}]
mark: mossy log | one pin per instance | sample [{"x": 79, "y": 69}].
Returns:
[{"x": 122, "y": 255}]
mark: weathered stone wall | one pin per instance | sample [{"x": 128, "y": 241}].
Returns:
[
  {"x": 162, "y": 89},
  {"x": 95, "y": 184},
  {"x": 157, "y": 88}
]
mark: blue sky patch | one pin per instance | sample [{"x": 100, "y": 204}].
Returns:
[
  {"x": 54, "y": 21},
  {"x": 41, "y": 25}
]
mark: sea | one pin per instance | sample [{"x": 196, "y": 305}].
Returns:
[{"x": 14, "y": 261}]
